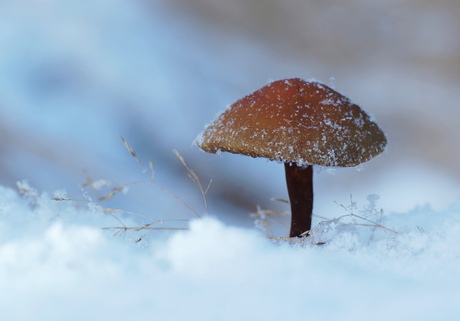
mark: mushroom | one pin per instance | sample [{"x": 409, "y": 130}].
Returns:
[{"x": 301, "y": 123}]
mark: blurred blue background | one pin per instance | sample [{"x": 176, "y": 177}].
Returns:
[{"x": 75, "y": 75}]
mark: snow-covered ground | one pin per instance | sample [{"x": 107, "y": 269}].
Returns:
[
  {"x": 76, "y": 75},
  {"x": 56, "y": 263}
]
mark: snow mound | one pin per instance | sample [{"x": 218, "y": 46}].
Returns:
[{"x": 57, "y": 261}]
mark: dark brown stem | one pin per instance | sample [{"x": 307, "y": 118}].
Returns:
[{"x": 299, "y": 182}]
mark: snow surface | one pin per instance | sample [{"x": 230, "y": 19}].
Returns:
[{"x": 56, "y": 263}]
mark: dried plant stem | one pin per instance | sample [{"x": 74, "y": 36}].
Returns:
[
  {"x": 116, "y": 188},
  {"x": 70, "y": 197},
  {"x": 194, "y": 177},
  {"x": 112, "y": 210},
  {"x": 176, "y": 197},
  {"x": 144, "y": 228},
  {"x": 151, "y": 181},
  {"x": 263, "y": 218},
  {"x": 372, "y": 223}
]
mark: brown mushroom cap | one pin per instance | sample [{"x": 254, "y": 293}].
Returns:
[{"x": 298, "y": 121}]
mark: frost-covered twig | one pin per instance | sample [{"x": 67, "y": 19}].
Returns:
[
  {"x": 264, "y": 217},
  {"x": 369, "y": 210},
  {"x": 115, "y": 188}
]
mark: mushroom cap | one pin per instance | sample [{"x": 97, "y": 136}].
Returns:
[{"x": 296, "y": 121}]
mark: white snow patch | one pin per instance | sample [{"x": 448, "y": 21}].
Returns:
[{"x": 56, "y": 261}]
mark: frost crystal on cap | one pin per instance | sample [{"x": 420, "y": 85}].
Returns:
[{"x": 294, "y": 120}]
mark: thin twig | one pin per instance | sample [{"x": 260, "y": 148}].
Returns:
[
  {"x": 151, "y": 181},
  {"x": 145, "y": 228},
  {"x": 132, "y": 152},
  {"x": 351, "y": 214},
  {"x": 194, "y": 177}
]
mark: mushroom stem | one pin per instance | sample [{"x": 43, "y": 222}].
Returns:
[{"x": 299, "y": 180}]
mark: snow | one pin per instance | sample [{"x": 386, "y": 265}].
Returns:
[{"x": 57, "y": 261}]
